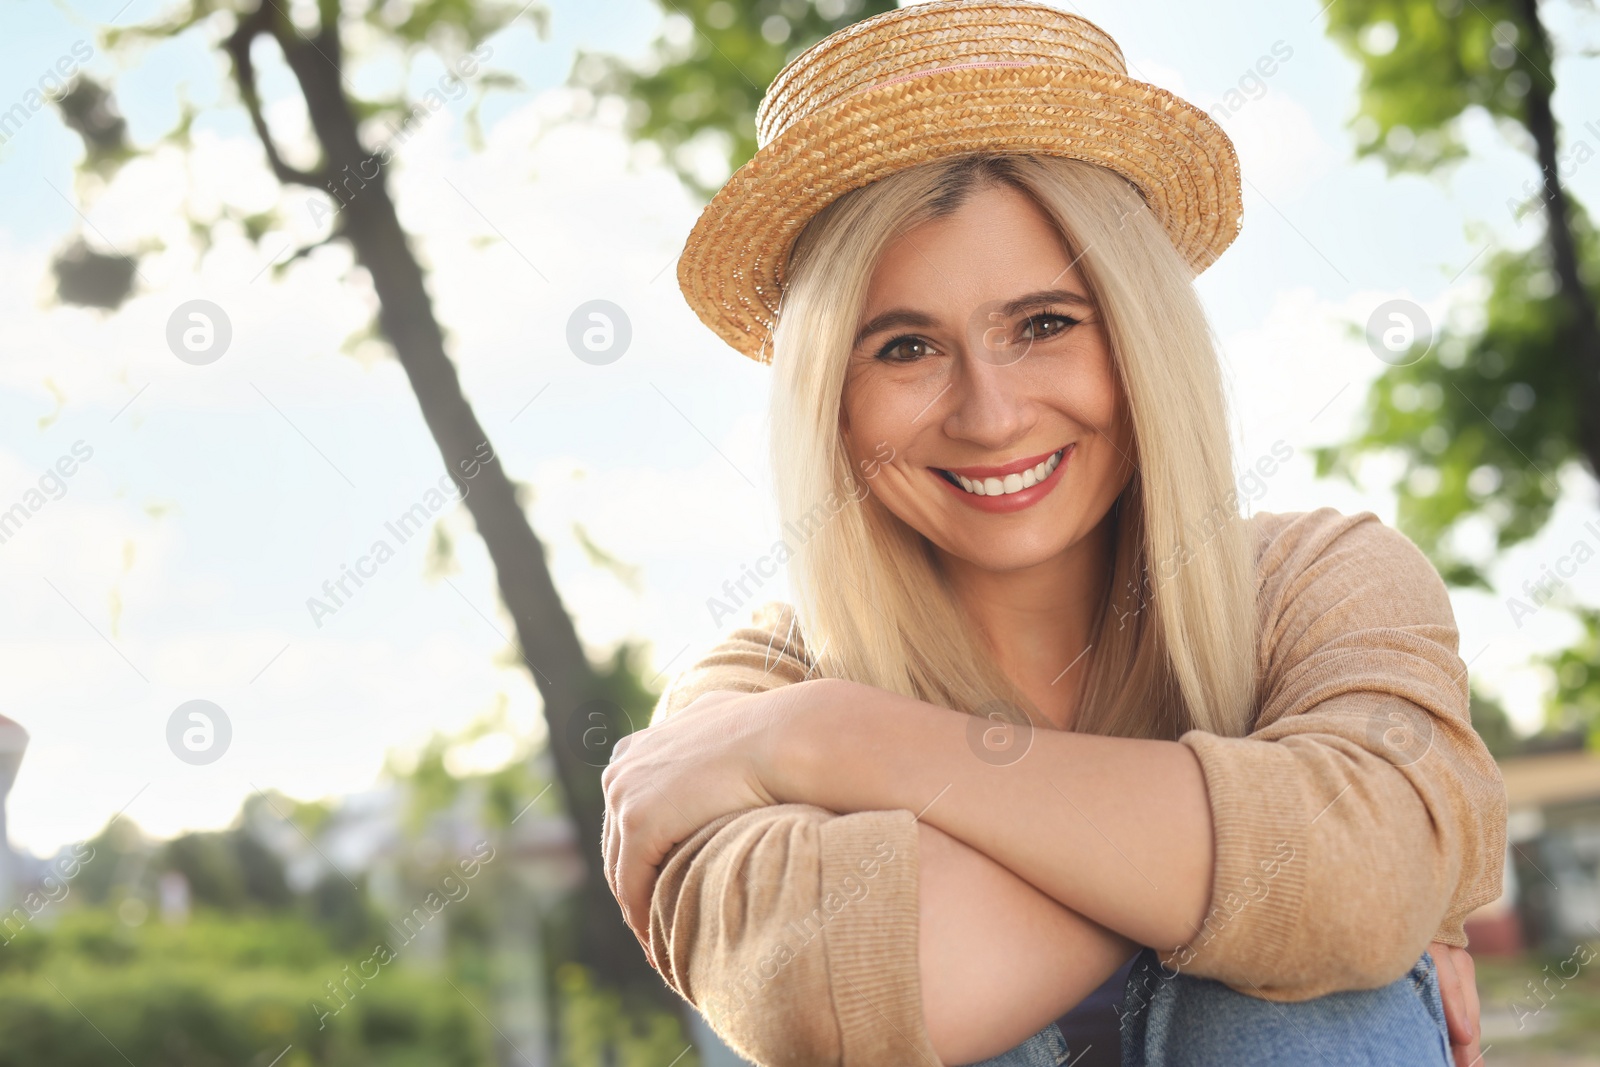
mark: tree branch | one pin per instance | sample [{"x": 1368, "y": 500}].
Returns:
[
  {"x": 1581, "y": 333},
  {"x": 336, "y": 234},
  {"x": 250, "y": 27}
]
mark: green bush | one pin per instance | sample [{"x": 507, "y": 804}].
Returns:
[
  {"x": 599, "y": 1029},
  {"x": 214, "y": 992}
]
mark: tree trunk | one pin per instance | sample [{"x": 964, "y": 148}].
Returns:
[
  {"x": 1582, "y": 326},
  {"x": 549, "y": 643}
]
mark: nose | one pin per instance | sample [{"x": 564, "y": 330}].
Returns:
[{"x": 989, "y": 405}]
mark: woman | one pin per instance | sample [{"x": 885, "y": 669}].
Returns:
[{"x": 1044, "y": 696}]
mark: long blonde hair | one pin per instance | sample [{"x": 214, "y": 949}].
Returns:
[{"x": 1174, "y": 644}]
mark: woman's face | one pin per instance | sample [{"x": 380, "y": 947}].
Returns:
[{"x": 980, "y": 404}]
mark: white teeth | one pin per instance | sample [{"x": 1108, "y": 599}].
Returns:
[{"x": 1012, "y": 483}]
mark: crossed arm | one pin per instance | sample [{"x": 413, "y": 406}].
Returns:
[
  {"x": 808, "y": 937},
  {"x": 998, "y": 952},
  {"x": 998, "y": 959},
  {"x": 1322, "y": 852}
]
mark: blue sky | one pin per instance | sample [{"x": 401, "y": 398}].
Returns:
[{"x": 219, "y": 498}]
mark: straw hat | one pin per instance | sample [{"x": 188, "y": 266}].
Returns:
[{"x": 938, "y": 79}]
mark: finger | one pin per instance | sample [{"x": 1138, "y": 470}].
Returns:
[
  {"x": 618, "y": 749},
  {"x": 636, "y": 879},
  {"x": 633, "y": 889},
  {"x": 1450, "y": 995},
  {"x": 638, "y": 886},
  {"x": 1467, "y": 971},
  {"x": 1471, "y": 1053},
  {"x": 1462, "y": 1012},
  {"x": 612, "y": 846}
]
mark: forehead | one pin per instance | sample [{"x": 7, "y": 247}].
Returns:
[{"x": 998, "y": 243}]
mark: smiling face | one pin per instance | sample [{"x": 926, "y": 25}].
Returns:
[{"x": 982, "y": 362}]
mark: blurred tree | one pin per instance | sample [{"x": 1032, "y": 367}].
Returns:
[
  {"x": 708, "y": 69},
  {"x": 89, "y": 110},
  {"x": 114, "y": 862},
  {"x": 707, "y": 72},
  {"x": 314, "y": 40},
  {"x": 227, "y": 869},
  {"x": 1576, "y": 671},
  {"x": 1494, "y": 726},
  {"x": 1492, "y": 415},
  {"x": 92, "y": 279}
]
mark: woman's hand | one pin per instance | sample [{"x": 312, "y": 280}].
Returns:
[
  {"x": 1458, "y": 989},
  {"x": 665, "y": 782}
]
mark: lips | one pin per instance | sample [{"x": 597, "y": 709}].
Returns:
[
  {"x": 1003, "y": 481},
  {"x": 1010, "y": 486}
]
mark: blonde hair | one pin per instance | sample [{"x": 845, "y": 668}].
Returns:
[{"x": 1174, "y": 644}]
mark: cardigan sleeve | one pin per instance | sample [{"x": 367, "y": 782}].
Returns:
[
  {"x": 793, "y": 930},
  {"x": 1362, "y": 817}
]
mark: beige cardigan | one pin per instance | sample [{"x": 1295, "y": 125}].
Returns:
[{"x": 1360, "y": 819}]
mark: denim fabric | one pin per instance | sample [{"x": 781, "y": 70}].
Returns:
[
  {"x": 1047, "y": 1048},
  {"x": 1175, "y": 1020}
]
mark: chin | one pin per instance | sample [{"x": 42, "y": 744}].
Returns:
[{"x": 1016, "y": 552}]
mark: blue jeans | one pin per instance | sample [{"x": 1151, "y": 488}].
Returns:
[{"x": 1175, "y": 1020}]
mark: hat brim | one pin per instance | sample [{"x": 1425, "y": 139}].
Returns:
[{"x": 732, "y": 267}]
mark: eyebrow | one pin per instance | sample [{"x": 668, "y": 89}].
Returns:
[{"x": 909, "y": 317}]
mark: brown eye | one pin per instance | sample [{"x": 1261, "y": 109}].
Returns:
[
  {"x": 1044, "y": 327},
  {"x": 904, "y": 350}
]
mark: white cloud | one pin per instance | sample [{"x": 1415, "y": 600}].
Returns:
[{"x": 1281, "y": 151}]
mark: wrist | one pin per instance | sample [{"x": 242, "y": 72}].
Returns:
[{"x": 799, "y": 739}]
